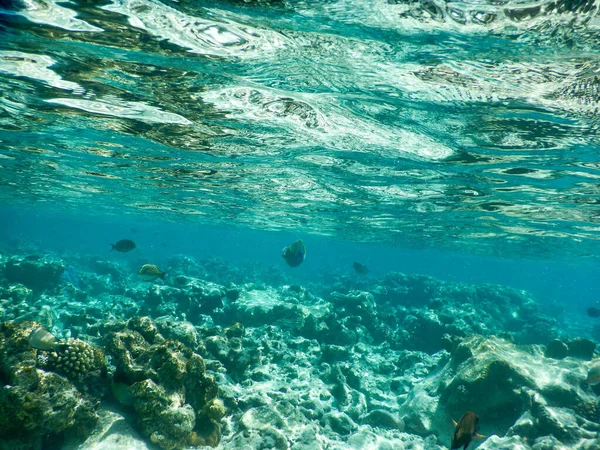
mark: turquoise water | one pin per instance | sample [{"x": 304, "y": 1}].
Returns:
[
  {"x": 459, "y": 140},
  {"x": 451, "y": 129},
  {"x": 469, "y": 126}
]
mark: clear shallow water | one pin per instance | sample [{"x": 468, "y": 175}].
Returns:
[
  {"x": 564, "y": 287},
  {"x": 470, "y": 127},
  {"x": 457, "y": 140}
]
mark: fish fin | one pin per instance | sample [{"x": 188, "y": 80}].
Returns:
[
  {"x": 455, "y": 422},
  {"x": 479, "y": 436}
]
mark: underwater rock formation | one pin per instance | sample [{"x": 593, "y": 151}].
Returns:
[
  {"x": 515, "y": 391},
  {"x": 175, "y": 401},
  {"x": 581, "y": 348},
  {"x": 40, "y": 408},
  {"x": 188, "y": 296},
  {"x": 218, "y": 270},
  {"x": 34, "y": 271},
  {"x": 346, "y": 362}
]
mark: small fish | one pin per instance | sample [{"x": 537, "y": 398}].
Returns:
[
  {"x": 123, "y": 246},
  {"x": 593, "y": 312},
  {"x": 360, "y": 268},
  {"x": 465, "y": 430},
  {"x": 42, "y": 339},
  {"x": 294, "y": 254},
  {"x": 149, "y": 272},
  {"x": 593, "y": 376}
]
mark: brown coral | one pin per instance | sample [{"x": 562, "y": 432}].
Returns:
[{"x": 174, "y": 398}]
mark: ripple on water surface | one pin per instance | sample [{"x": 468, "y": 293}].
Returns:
[{"x": 430, "y": 122}]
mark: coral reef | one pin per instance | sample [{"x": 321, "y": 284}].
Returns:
[
  {"x": 173, "y": 397},
  {"x": 73, "y": 358},
  {"x": 40, "y": 408},
  {"x": 345, "y": 362},
  {"x": 34, "y": 271},
  {"x": 516, "y": 392}
]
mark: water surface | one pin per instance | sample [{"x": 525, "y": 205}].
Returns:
[{"x": 469, "y": 126}]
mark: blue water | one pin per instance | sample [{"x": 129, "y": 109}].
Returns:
[
  {"x": 561, "y": 285},
  {"x": 458, "y": 140}
]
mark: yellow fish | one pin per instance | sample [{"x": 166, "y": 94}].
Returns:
[
  {"x": 149, "y": 272},
  {"x": 594, "y": 374},
  {"x": 42, "y": 339},
  {"x": 294, "y": 254}
]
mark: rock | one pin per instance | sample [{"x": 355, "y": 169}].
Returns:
[
  {"x": 540, "y": 331},
  {"x": 333, "y": 353},
  {"x": 235, "y": 330},
  {"x": 233, "y": 293},
  {"x": 383, "y": 419},
  {"x": 504, "y": 443},
  {"x": 113, "y": 432},
  {"x": 181, "y": 331},
  {"x": 425, "y": 331},
  {"x": 218, "y": 346},
  {"x": 39, "y": 407},
  {"x": 168, "y": 385},
  {"x": 517, "y": 391},
  {"x": 34, "y": 271},
  {"x": 338, "y": 422},
  {"x": 146, "y": 328},
  {"x": 582, "y": 348},
  {"x": 557, "y": 349}
]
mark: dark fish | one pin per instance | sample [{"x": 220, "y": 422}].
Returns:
[
  {"x": 42, "y": 339},
  {"x": 593, "y": 312},
  {"x": 294, "y": 254},
  {"x": 123, "y": 246},
  {"x": 466, "y": 429},
  {"x": 360, "y": 268},
  {"x": 149, "y": 272}
]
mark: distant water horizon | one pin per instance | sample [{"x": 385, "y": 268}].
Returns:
[{"x": 561, "y": 284}]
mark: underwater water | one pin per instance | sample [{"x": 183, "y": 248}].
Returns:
[{"x": 438, "y": 159}]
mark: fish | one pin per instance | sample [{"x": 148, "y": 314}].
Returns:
[
  {"x": 294, "y": 254},
  {"x": 149, "y": 272},
  {"x": 123, "y": 246},
  {"x": 360, "y": 268},
  {"x": 465, "y": 430},
  {"x": 42, "y": 339},
  {"x": 593, "y": 376},
  {"x": 593, "y": 312}
]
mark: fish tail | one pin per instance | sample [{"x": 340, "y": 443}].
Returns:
[
  {"x": 162, "y": 275},
  {"x": 113, "y": 247}
]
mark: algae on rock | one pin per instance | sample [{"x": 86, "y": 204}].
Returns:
[
  {"x": 514, "y": 390},
  {"x": 171, "y": 393},
  {"x": 39, "y": 407}
]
